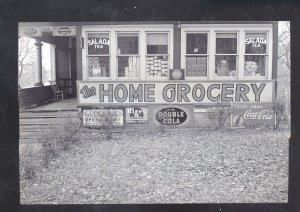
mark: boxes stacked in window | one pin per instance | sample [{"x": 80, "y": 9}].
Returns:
[
  {"x": 157, "y": 66},
  {"x": 128, "y": 66}
]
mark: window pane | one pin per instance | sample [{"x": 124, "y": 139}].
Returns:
[
  {"x": 196, "y": 43},
  {"x": 226, "y": 65},
  {"x": 226, "y": 43},
  {"x": 255, "y": 65},
  {"x": 256, "y": 43},
  {"x": 128, "y": 43},
  {"x": 157, "y": 66},
  {"x": 157, "y": 43},
  {"x": 98, "y": 66},
  {"x": 196, "y": 66},
  {"x": 128, "y": 66},
  {"x": 98, "y": 43}
]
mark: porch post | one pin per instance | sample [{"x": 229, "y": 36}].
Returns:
[{"x": 38, "y": 76}]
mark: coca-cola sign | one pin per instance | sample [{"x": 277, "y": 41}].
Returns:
[
  {"x": 252, "y": 114},
  {"x": 263, "y": 114}
]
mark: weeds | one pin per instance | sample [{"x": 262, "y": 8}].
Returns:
[
  {"x": 52, "y": 142},
  {"x": 219, "y": 115}
]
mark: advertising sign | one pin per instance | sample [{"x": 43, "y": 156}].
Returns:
[
  {"x": 97, "y": 117},
  {"x": 136, "y": 115},
  {"x": 171, "y": 116},
  {"x": 177, "y": 74},
  {"x": 30, "y": 32},
  {"x": 64, "y": 31},
  {"x": 179, "y": 93},
  {"x": 253, "y": 114}
]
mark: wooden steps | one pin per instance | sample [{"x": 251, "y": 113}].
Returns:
[{"x": 33, "y": 122}]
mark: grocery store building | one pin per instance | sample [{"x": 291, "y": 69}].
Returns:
[{"x": 161, "y": 73}]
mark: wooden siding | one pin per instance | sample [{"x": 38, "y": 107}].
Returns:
[{"x": 34, "y": 96}]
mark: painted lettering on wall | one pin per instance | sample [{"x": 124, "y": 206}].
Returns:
[
  {"x": 87, "y": 92},
  {"x": 176, "y": 92}
]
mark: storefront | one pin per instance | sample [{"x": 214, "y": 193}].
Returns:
[{"x": 172, "y": 73}]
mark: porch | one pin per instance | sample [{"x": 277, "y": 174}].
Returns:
[{"x": 43, "y": 116}]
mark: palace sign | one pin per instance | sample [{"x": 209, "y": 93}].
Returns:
[{"x": 179, "y": 93}]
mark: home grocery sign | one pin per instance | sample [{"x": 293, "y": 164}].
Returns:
[{"x": 179, "y": 93}]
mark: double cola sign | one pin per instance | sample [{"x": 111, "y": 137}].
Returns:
[{"x": 171, "y": 116}]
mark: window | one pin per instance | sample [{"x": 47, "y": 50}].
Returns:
[
  {"x": 157, "y": 55},
  {"x": 98, "y": 55},
  {"x": 196, "y": 54},
  {"x": 128, "y": 55},
  {"x": 226, "y": 54},
  {"x": 255, "y": 54}
]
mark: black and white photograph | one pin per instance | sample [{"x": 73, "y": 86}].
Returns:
[{"x": 136, "y": 112}]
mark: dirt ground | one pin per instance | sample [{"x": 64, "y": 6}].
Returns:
[{"x": 177, "y": 166}]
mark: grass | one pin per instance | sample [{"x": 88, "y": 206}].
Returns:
[{"x": 174, "y": 166}]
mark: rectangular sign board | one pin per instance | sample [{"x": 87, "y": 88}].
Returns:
[
  {"x": 96, "y": 117},
  {"x": 253, "y": 114},
  {"x": 176, "y": 93},
  {"x": 136, "y": 115}
]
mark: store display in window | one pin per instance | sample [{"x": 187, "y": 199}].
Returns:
[
  {"x": 254, "y": 65},
  {"x": 128, "y": 66},
  {"x": 157, "y": 66},
  {"x": 98, "y": 66},
  {"x": 196, "y": 66},
  {"x": 225, "y": 66}
]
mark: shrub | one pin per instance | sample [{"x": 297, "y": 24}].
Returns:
[
  {"x": 219, "y": 115},
  {"x": 280, "y": 114},
  {"x": 161, "y": 128},
  {"x": 110, "y": 118},
  {"x": 52, "y": 141}
]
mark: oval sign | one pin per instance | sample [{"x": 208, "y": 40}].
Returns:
[
  {"x": 171, "y": 116},
  {"x": 29, "y": 31},
  {"x": 176, "y": 74},
  {"x": 64, "y": 30}
]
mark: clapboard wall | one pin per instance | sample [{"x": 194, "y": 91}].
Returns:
[{"x": 34, "y": 95}]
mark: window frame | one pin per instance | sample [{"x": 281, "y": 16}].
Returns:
[
  {"x": 184, "y": 47},
  {"x": 267, "y": 54},
  {"x": 148, "y": 78},
  {"x": 236, "y": 55},
  {"x": 142, "y": 29},
  {"x": 128, "y": 55},
  {"x": 85, "y": 61},
  {"x": 241, "y": 30}
]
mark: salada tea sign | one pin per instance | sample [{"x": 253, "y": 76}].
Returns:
[
  {"x": 179, "y": 93},
  {"x": 171, "y": 116},
  {"x": 97, "y": 117},
  {"x": 136, "y": 115},
  {"x": 253, "y": 114},
  {"x": 98, "y": 43}
]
